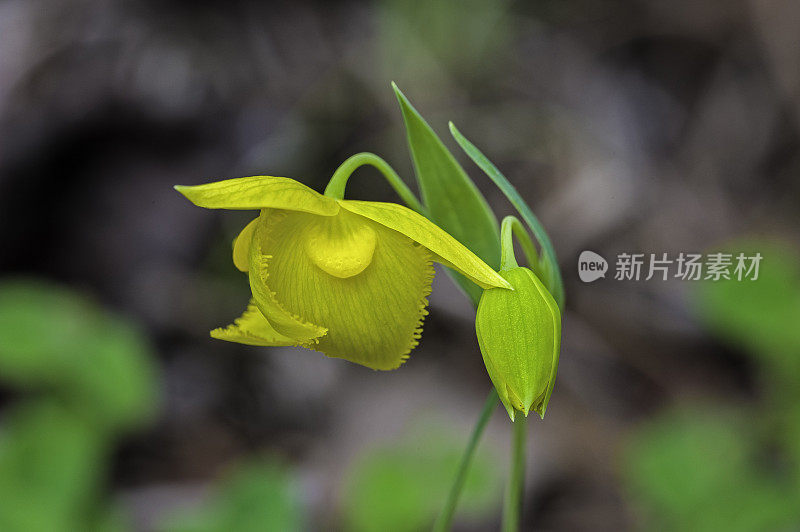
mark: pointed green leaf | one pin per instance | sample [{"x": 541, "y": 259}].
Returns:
[
  {"x": 549, "y": 263},
  {"x": 452, "y": 200}
]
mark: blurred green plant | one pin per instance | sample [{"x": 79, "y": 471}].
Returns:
[
  {"x": 697, "y": 469},
  {"x": 705, "y": 467},
  {"x": 85, "y": 377},
  {"x": 423, "y": 39},
  {"x": 761, "y": 316},
  {"x": 401, "y": 487},
  {"x": 50, "y": 469},
  {"x": 258, "y": 496},
  {"x": 56, "y": 341}
]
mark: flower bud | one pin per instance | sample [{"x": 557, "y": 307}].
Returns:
[{"x": 519, "y": 333}]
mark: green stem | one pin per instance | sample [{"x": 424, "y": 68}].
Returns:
[
  {"x": 512, "y": 506},
  {"x": 445, "y": 520},
  {"x": 512, "y": 226},
  {"x": 338, "y": 182}
]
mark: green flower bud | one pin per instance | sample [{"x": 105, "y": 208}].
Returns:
[{"x": 519, "y": 333}]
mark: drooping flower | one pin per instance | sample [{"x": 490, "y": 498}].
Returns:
[{"x": 347, "y": 278}]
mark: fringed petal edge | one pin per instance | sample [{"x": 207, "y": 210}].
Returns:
[{"x": 251, "y": 328}]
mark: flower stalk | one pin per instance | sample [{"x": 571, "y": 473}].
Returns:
[
  {"x": 445, "y": 520},
  {"x": 512, "y": 506},
  {"x": 338, "y": 182},
  {"x": 513, "y": 227}
]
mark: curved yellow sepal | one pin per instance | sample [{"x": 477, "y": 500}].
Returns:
[
  {"x": 288, "y": 324},
  {"x": 252, "y": 328},
  {"x": 420, "y": 229},
  {"x": 241, "y": 247},
  {"x": 259, "y": 192}
]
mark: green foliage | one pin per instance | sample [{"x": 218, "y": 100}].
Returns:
[
  {"x": 402, "y": 487},
  {"x": 92, "y": 376},
  {"x": 759, "y": 316},
  {"x": 452, "y": 201},
  {"x": 56, "y": 341},
  {"x": 48, "y": 470},
  {"x": 697, "y": 469},
  {"x": 547, "y": 268},
  {"x": 424, "y": 39},
  {"x": 708, "y": 468},
  {"x": 88, "y": 376},
  {"x": 259, "y": 496}
]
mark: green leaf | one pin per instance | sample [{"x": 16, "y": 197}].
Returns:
[
  {"x": 259, "y": 496},
  {"x": 548, "y": 267},
  {"x": 402, "y": 487},
  {"x": 40, "y": 325},
  {"x": 695, "y": 469},
  {"x": 682, "y": 459},
  {"x": 112, "y": 377},
  {"x": 50, "y": 469},
  {"x": 760, "y": 315},
  {"x": 451, "y": 199},
  {"x": 55, "y": 340}
]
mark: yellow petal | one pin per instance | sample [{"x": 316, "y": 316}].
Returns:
[
  {"x": 252, "y": 328},
  {"x": 259, "y": 192},
  {"x": 241, "y": 247},
  {"x": 422, "y": 230},
  {"x": 340, "y": 248},
  {"x": 370, "y": 295},
  {"x": 285, "y": 322}
]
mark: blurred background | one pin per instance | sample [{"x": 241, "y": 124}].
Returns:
[{"x": 634, "y": 126}]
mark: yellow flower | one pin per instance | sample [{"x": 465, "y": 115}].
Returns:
[{"x": 343, "y": 277}]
